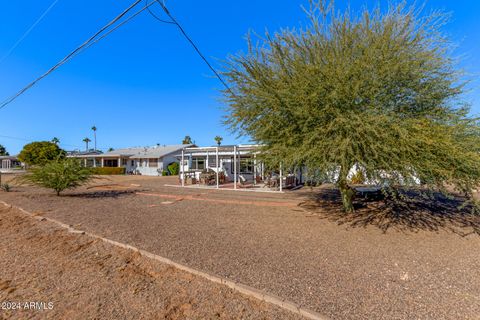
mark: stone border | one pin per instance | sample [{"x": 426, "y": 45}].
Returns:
[{"x": 239, "y": 287}]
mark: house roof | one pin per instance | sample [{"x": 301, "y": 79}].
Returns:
[
  {"x": 158, "y": 151},
  {"x": 8, "y": 158},
  {"x": 137, "y": 152}
]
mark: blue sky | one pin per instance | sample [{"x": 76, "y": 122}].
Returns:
[{"x": 144, "y": 84}]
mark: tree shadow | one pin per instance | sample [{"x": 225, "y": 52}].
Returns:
[
  {"x": 415, "y": 213},
  {"x": 100, "y": 194}
]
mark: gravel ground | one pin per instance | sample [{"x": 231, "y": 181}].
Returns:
[
  {"x": 84, "y": 278},
  {"x": 341, "y": 271}
]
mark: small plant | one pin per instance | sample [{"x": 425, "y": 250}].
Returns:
[
  {"x": 58, "y": 175},
  {"x": 6, "y": 187},
  {"x": 174, "y": 168},
  {"x": 358, "y": 178},
  {"x": 165, "y": 173}
]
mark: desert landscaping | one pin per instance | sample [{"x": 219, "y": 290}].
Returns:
[{"x": 278, "y": 243}]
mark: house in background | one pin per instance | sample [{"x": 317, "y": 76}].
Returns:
[
  {"x": 9, "y": 163},
  {"x": 149, "y": 161}
]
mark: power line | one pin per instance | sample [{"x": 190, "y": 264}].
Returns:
[
  {"x": 147, "y": 5},
  {"x": 26, "y": 33},
  {"x": 114, "y": 28},
  {"x": 174, "y": 21},
  {"x": 70, "y": 55}
]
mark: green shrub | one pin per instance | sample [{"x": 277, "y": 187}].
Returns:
[
  {"x": 5, "y": 187},
  {"x": 165, "y": 173},
  {"x": 58, "y": 175},
  {"x": 174, "y": 168},
  {"x": 108, "y": 171}
]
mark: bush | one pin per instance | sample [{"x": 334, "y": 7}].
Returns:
[
  {"x": 108, "y": 171},
  {"x": 165, "y": 173},
  {"x": 174, "y": 168},
  {"x": 5, "y": 187},
  {"x": 58, "y": 175}
]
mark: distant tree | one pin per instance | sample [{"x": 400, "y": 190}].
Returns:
[
  {"x": 86, "y": 140},
  {"x": 377, "y": 90},
  {"x": 110, "y": 149},
  {"x": 59, "y": 175},
  {"x": 94, "y": 129},
  {"x": 56, "y": 140},
  {"x": 3, "y": 151},
  {"x": 187, "y": 140},
  {"x": 39, "y": 153},
  {"x": 218, "y": 140}
]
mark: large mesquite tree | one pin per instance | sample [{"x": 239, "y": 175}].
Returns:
[{"x": 378, "y": 90}]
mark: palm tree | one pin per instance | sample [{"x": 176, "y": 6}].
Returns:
[
  {"x": 218, "y": 139},
  {"x": 56, "y": 140},
  {"x": 187, "y": 140},
  {"x": 95, "y": 137},
  {"x": 87, "y": 140}
]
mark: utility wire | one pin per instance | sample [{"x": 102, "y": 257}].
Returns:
[
  {"x": 174, "y": 21},
  {"x": 114, "y": 28},
  {"x": 147, "y": 5},
  {"x": 28, "y": 31},
  {"x": 70, "y": 55}
]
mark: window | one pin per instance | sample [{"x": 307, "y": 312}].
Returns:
[
  {"x": 153, "y": 163},
  {"x": 132, "y": 163},
  {"x": 198, "y": 163},
  {"x": 110, "y": 163},
  {"x": 124, "y": 162},
  {"x": 244, "y": 165}
]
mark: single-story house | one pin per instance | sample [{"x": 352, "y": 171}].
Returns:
[
  {"x": 138, "y": 160},
  {"x": 8, "y": 163}
]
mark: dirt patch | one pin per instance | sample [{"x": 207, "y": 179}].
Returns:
[{"x": 76, "y": 277}]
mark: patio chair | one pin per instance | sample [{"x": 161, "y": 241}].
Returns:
[{"x": 242, "y": 180}]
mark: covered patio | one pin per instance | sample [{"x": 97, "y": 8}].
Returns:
[{"x": 233, "y": 167}]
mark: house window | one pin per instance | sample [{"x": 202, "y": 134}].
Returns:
[
  {"x": 153, "y": 163},
  {"x": 124, "y": 162},
  {"x": 244, "y": 165},
  {"x": 198, "y": 163},
  {"x": 110, "y": 163},
  {"x": 132, "y": 163}
]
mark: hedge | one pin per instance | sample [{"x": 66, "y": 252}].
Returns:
[{"x": 108, "y": 170}]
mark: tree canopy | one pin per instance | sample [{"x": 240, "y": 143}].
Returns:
[
  {"x": 3, "y": 151},
  {"x": 187, "y": 140},
  {"x": 41, "y": 152},
  {"x": 379, "y": 91}
]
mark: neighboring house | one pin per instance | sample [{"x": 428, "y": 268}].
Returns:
[
  {"x": 139, "y": 160},
  {"x": 9, "y": 163}
]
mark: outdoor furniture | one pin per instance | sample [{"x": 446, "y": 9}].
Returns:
[{"x": 242, "y": 180}]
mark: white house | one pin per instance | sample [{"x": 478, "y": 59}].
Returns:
[
  {"x": 138, "y": 160},
  {"x": 9, "y": 163}
]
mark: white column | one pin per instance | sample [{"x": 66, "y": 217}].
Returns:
[
  {"x": 85, "y": 162},
  {"x": 207, "y": 166},
  {"x": 254, "y": 169},
  {"x": 94, "y": 162},
  {"x": 281, "y": 178},
  {"x": 119, "y": 162},
  {"x": 235, "y": 167},
  {"x": 103, "y": 163},
  {"x": 182, "y": 169},
  {"x": 217, "y": 167}
]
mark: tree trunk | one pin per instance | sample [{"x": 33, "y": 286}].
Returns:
[{"x": 347, "y": 193}]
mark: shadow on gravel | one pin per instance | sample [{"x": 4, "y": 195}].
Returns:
[
  {"x": 418, "y": 213},
  {"x": 101, "y": 194}
]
